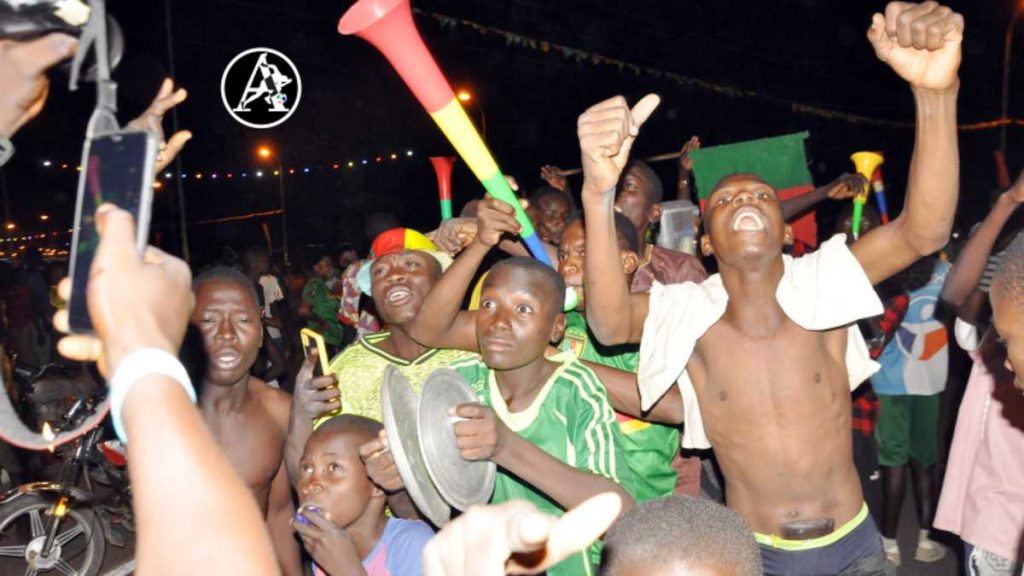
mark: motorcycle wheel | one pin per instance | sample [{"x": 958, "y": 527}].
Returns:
[{"x": 77, "y": 550}]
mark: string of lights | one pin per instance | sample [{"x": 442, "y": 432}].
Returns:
[
  {"x": 257, "y": 172},
  {"x": 32, "y": 237}
]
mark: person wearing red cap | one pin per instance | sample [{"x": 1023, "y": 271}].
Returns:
[{"x": 402, "y": 268}]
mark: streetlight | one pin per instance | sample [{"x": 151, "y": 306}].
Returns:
[
  {"x": 44, "y": 217},
  {"x": 465, "y": 96},
  {"x": 265, "y": 152},
  {"x": 1017, "y": 8}
]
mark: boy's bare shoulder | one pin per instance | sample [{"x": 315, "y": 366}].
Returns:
[{"x": 276, "y": 402}]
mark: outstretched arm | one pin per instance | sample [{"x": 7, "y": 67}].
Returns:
[
  {"x": 23, "y": 68},
  {"x": 515, "y": 538},
  {"x": 381, "y": 468},
  {"x": 312, "y": 398},
  {"x": 625, "y": 396},
  {"x": 440, "y": 323},
  {"x": 152, "y": 120},
  {"x": 921, "y": 42},
  {"x": 845, "y": 186},
  {"x": 961, "y": 288},
  {"x": 606, "y": 132},
  {"x": 455, "y": 234},
  {"x": 483, "y": 436},
  {"x": 554, "y": 177},
  {"x": 684, "y": 184}
]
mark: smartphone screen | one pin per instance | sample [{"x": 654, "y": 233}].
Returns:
[
  {"x": 117, "y": 168},
  {"x": 311, "y": 339}
]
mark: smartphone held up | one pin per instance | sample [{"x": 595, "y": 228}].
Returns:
[
  {"x": 314, "y": 340},
  {"x": 117, "y": 168}
]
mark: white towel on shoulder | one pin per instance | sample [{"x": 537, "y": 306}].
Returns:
[{"x": 821, "y": 291}]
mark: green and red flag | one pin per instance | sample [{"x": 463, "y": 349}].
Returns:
[{"x": 781, "y": 161}]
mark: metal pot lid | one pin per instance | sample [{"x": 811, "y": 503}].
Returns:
[
  {"x": 401, "y": 418},
  {"x": 462, "y": 483}
]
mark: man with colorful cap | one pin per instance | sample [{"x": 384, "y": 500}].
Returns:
[{"x": 402, "y": 268}]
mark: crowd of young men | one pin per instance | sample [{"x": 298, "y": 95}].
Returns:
[{"x": 756, "y": 361}]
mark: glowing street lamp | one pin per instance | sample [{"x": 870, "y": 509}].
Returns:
[
  {"x": 265, "y": 153},
  {"x": 44, "y": 217},
  {"x": 465, "y": 96}
]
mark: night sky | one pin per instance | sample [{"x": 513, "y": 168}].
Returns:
[{"x": 354, "y": 106}]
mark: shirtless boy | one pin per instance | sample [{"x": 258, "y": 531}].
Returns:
[
  {"x": 764, "y": 353},
  {"x": 248, "y": 418}
]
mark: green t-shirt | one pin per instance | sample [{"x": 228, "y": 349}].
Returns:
[
  {"x": 360, "y": 372},
  {"x": 649, "y": 447},
  {"x": 572, "y": 420}
]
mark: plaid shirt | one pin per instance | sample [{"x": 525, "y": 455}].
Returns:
[
  {"x": 878, "y": 331},
  {"x": 349, "y": 294}
]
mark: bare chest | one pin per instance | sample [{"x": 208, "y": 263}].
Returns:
[
  {"x": 254, "y": 444},
  {"x": 787, "y": 380}
]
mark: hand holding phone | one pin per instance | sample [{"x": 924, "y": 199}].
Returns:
[
  {"x": 117, "y": 168},
  {"x": 310, "y": 338}
]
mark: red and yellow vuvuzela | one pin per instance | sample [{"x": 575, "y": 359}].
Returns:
[{"x": 388, "y": 25}]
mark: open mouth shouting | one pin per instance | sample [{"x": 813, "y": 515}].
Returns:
[
  {"x": 398, "y": 295},
  {"x": 748, "y": 219}
]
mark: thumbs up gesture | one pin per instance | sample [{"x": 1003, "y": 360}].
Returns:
[
  {"x": 606, "y": 132},
  {"x": 921, "y": 42}
]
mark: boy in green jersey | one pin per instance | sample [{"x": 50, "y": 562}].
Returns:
[
  {"x": 650, "y": 448},
  {"x": 546, "y": 422}
]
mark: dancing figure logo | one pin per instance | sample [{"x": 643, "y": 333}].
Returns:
[{"x": 261, "y": 88}]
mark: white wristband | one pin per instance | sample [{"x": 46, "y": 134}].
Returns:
[
  {"x": 6, "y": 150},
  {"x": 138, "y": 365}
]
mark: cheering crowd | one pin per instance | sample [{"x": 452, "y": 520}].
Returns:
[{"x": 761, "y": 419}]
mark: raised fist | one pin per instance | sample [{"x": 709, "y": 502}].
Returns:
[
  {"x": 494, "y": 218},
  {"x": 921, "y": 42}
]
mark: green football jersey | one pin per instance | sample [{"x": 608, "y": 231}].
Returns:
[
  {"x": 360, "y": 372},
  {"x": 649, "y": 447},
  {"x": 572, "y": 420}
]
